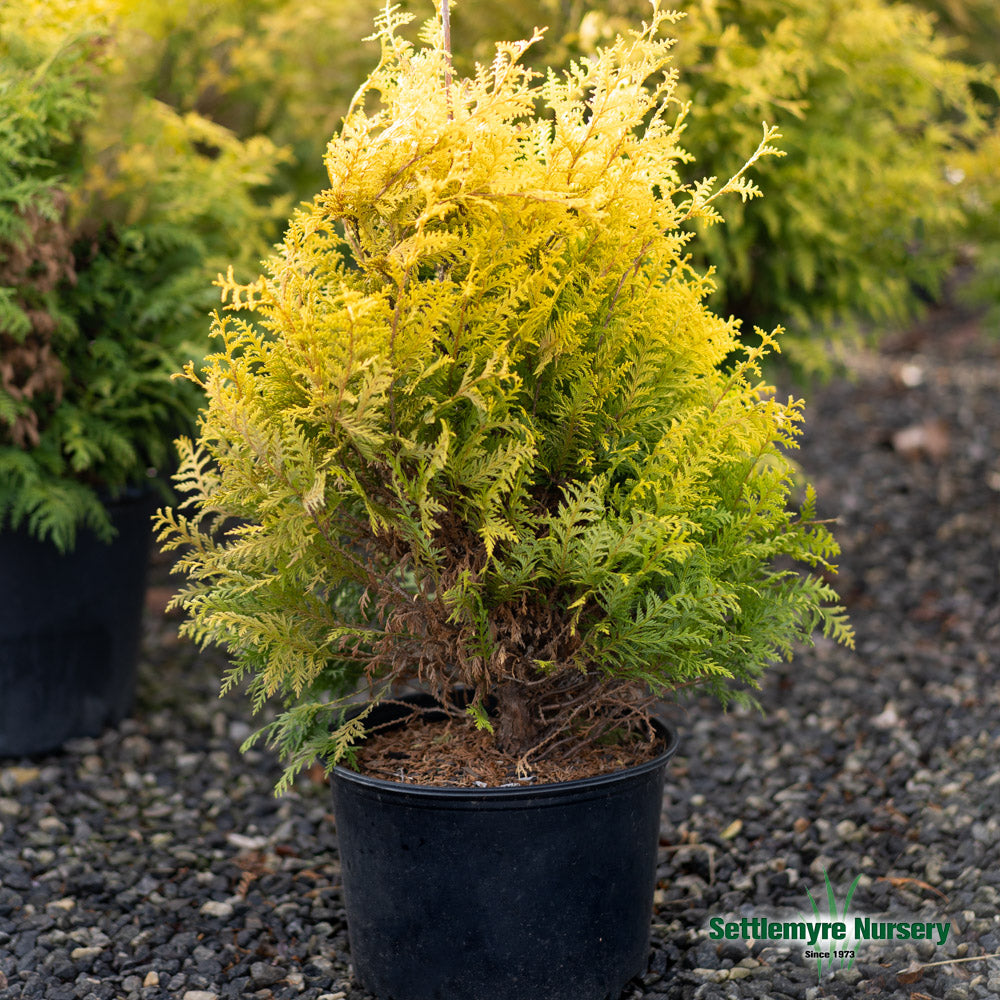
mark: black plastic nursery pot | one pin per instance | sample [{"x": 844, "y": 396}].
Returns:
[
  {"x": 70, "y": 626},
  {"x": 538, "y": 892}
]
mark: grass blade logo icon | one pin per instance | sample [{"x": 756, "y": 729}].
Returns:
[{"x": 831, "y": 901}]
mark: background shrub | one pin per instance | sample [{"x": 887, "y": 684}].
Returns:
[{"x": 116, "y": 213}]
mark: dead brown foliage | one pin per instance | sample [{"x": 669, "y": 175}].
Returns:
[{"x": 29, "y": 366}]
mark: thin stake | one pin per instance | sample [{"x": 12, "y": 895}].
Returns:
[
  {"x": 957, "y": 961},
  {"x": 446, "y": 29}
]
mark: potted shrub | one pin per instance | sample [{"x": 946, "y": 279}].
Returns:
[
  {"x": 485, "y": 439},
  {"x": 109, "y": 236}
]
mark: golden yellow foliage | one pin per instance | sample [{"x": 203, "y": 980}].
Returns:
[{"x": 490, "y": 434}]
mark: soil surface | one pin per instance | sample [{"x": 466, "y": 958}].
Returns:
[
  {"x": 454, "y": 753},
  {"x": 153, "y": 862}
]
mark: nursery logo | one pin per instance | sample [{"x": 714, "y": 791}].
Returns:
[{"x": 831, "y": 938}]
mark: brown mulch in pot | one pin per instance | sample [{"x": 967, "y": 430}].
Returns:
[{"x": 453, "y": 753}]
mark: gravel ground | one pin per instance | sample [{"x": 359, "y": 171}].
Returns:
[{"x": 153, "y": 862}]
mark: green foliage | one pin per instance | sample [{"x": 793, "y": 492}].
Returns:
[
  {"x": 979, "y": 175},
  {"x": 115, "y": 213},
  {"x": 257, "y": 67},
  {"x": 974, "y": 24},
  {"x": 874, "y": 108},
  {"x": 485, "y": 431}
]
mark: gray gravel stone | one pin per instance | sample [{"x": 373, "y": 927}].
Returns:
[{"x": 262, "y": 974}]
